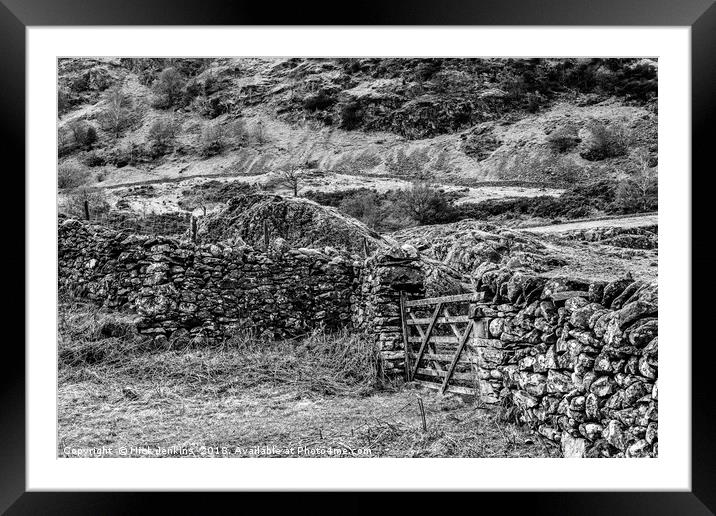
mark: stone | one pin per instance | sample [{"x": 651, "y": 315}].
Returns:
[
  {"x": 524, "y": 400},
  {"x": 613, "y": 433},
  {"x": 639, "y": 449},
  {"x": 591, "y": 431},
  {"x": 596, "y": 291},
  {"x": 581, "y": 316},
  {"x": 591, "y": 407},
  {"x": 573, "y": 447},
  {"x": 575, "y": 303},
  {"x": 643, "y": 332},
  {"x": 557, "y": 382},
  {"x": 602, "y": 386},
  {"x": 613, "y": 289},
  {"x": 548, "y": 310}
]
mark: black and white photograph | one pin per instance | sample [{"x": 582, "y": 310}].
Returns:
[{"x": 291, "y": 257}]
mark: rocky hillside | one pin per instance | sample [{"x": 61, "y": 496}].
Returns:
[{"x": 454, "y": 121}]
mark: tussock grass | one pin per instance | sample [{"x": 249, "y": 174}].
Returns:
[
  {"x": 324, "y": 363},
  {"x": 322, "y": 391}
]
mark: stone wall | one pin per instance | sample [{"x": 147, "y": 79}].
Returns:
[
  {"x": 209, "y": 291},
  {"x": 576, "y": 361},
  {"x": 376, "y": 305}
]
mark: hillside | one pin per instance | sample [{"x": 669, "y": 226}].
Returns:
[{"x": 474, "y": 127}]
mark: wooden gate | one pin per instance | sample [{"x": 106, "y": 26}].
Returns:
[{"x": 436, "y": 337}]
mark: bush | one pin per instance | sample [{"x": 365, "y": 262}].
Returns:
[
  {"x": 168, "y": 88},
  {"x": 118, "y": 113},
  {"x": 213, "y": 140},
  {"x": 94, "y": 159},
  {"x": 70, "y": 175},
  {"x": 84, "y": 135},
  {"x": 73, "y": 204},
  {"x": 606, "y": 141},
  {"x": 426, "y": 205},
  {"x": 351, "y": 116},
  {"x": 639, "y": 192},
  {"x": 162, "y": 134},
  {"x": 319, "y": 101},
  {"x": 64, "y": 101},
  {"x": 563, "y": 139}
]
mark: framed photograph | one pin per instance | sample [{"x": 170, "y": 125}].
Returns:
[{"x": 267, "y": 251}]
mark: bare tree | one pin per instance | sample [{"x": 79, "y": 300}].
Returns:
[
  {"x": 301, "y": 156},
  {"x": 117, "y": 114},
  {"x": 639, "y": 192},
  {"x": 290, "y": 177}
]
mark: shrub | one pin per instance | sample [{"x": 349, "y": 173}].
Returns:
[
  {"x": 94, "y": 159},
  {"x": 351, "y": 116},
  {"x": 162, "y": 134},
  {"x": 213, "y": 140},
  {"x": 606, "y": 141},
  {"x": 426, "y": 205},
  {"x": 318, "y": 101},
  {"x": 64, "y": 101},
  {"x": 639, "y": 192},
  {"x": 259, "y": 133},
  {"x": 70, "y": 175},
  {"x": 84, "y": 135},
  {"x": 563, "y": 139},
  {"x": 168, "y": 88},
  {"x": 118, "y": 113},
  {"x": 365, "y": 207},
  {"x": 73, "y": 204}
]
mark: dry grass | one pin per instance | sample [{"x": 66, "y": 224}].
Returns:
[{"x": 320, "y": 396}]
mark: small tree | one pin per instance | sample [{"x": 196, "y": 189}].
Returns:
[
  {"x": 64, "y": 101},
  {"x": 260, "y": 133},
  {"x": 639, "y": 192},
  {"x": 117, "y": 114},
  {"x": 73, "y": 204},
  {"x": 290, "y": 177},
  {"x": 563, "y": 139},
  {"x": 162, "y": 133},
  {"x": 169, "y": 87},
  {"x": 424, "y": 204},
  {"x": 606, "y": 141},
  {"x": 213, "y": 139},
  {"x": 83, "y": 134},
  {"x": 70, "y": 176},
  {"x": 290, "y": 174}
]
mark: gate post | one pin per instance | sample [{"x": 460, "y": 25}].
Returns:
[{"x": 404, "y": 326}]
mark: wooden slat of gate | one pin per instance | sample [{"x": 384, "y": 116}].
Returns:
[
  {"x": 438, "y": 339},
  {"x": 453, "y": 364},
  {"x": 443, "y": 374},
  {"x": 473, "y": 296},
  {"x": 441, "y": 320},
  {"x": 431, "y": 342},
  {"x": 426, "y": 338}
]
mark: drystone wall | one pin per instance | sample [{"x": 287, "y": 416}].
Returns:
[
  {"x": 376, "y": 304},
  {"x": 208, "y": 291},
  {"x": 577, "y": 361}
]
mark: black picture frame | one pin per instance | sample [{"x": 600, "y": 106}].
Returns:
[{"x": 700, "y": 15}]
